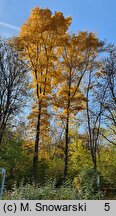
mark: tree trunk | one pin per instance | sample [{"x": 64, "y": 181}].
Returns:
[
  {"x": 94, "y": 159},
  {"x": 1, "y": 138},
  {"x": 35, "y": 158},
  {"x": 95, "y": 163},
  {"x": 2, "y": 129},
  {"x": 66, "y": 149},
  {"x": 92, "y": 143},
  {"x": 67, "y": 132}
]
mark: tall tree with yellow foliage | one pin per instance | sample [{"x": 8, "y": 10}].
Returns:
[
  {"x": 76, "y": 57},
  {"x": 37, "y": 41}
]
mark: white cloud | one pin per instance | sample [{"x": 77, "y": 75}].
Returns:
[{"x": 9, "y": 26}]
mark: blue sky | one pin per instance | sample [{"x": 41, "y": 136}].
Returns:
[{"x": 98, "y": 16}]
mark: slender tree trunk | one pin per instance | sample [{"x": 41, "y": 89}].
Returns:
[
  {"x": 0, "y": 138},
  {"x": 67, "y": 131},
  {"x": 35, "y": 158},
  {"x": 36, "y": 147},
  {"x": 1, "y": 135},
  {"x": 36, "y": 150},
  {"x": 91, "y": 132},
  {"x": 2, "y": 129},
  {"x": 66, "y": 149},
  {"x": 95, "y": 162},
  {"x": 94, "y": 158},
  {"x": 95, "y": 150}
]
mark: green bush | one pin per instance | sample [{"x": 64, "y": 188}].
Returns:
[
  {"x": 88, "y": 185},
  {"x": 46, "y": 192},
  {"x": 85, "y": 186}
]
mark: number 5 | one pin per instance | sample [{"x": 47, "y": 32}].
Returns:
[{"x": 107, "y": 207}]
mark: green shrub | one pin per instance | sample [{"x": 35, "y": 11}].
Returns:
[
  {"x": 46, "y": 192},
  {"x": 88, "y": 185}
]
